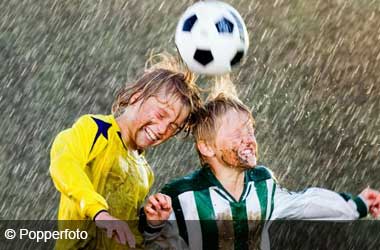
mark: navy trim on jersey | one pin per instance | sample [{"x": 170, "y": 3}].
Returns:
[{"x": 102, "y": 130}]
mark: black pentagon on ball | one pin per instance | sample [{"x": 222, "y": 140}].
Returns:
[
  {"x": 238, "y": 56},
  {"x": 189, "y": 23},
  {"x": 204, "y": 57},
  {"x": 224, "y": 26}
]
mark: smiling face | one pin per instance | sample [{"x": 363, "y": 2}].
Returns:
[
  {"x": 156, "y": 119},
  {"x": 235, "y": 142}
]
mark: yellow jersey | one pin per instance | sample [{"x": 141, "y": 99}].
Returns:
[{"x": 94, "y": 170}]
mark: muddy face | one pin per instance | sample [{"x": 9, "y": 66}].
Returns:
[{"x": 235, "y": 142}]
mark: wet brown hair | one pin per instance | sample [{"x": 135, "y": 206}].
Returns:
[{"x": 162, "y": 72}]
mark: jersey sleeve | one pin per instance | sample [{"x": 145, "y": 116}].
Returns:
[
  {"x": 317, "y": 204},
  {"x": 70, "y": 154}
]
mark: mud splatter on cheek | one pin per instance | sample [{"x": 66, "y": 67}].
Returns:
[{"x": 230, "y": 157}]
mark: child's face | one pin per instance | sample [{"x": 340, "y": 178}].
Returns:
[{"x": 235, "y": 143}]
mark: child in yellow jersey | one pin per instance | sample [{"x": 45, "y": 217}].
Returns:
[{"x": 98, "y": 164}]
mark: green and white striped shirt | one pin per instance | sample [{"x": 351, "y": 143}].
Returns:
[{"x": 206, "y": 216}]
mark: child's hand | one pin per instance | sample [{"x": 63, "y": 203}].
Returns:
[
  {"x": 158, "y": 209},
  {"x": 372, "y": 198}
]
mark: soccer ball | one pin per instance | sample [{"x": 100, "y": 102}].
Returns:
[{"x": 211, "y": 37}]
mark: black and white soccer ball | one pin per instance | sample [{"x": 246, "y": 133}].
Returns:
[{"x": 211, "y": 37}]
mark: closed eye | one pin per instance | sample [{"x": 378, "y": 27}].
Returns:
[{"x": 160, "y": 114}]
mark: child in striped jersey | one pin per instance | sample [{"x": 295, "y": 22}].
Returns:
[{"x": 211, "y": 207}]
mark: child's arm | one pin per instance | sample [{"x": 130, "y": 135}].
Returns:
[{"x": 323, "y": 204}]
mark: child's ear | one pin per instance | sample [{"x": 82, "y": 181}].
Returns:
[{"x": 205, "y": 149}]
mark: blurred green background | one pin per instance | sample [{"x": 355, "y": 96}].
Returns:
[{"x": 311, "y": 77}]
